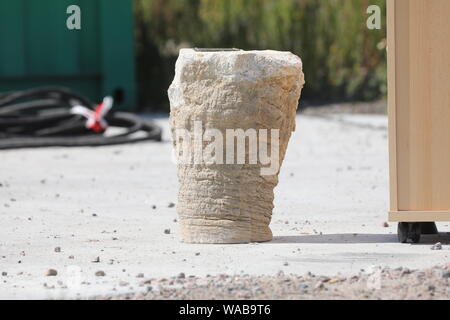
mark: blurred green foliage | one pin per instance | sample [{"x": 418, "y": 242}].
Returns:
[{"x": 343, "y": 60}]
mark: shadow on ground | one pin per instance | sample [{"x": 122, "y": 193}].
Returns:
[{"x": 351, "y": 238}]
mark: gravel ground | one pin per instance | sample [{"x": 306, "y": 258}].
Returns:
[
  {"x": 375, "y": 284},
  {"x": 86, "y": 222}
]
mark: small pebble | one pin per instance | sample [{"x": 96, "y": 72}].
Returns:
[
  {"x": 58, "y": 249},
  {"x": 319, "y": 285},
  {"x": 303, "y": 286},
  {"x": 167, "y": 231},
  {"x": 140, "y": 275},
  {"x": 335, "y": 280},
  {"x": 100, "y": 273},
  {"x": 4, "y": 274},
  {"x": 51, "y": 273},
  {"x": 437, "y": 246},
  {"x": 96, "y": 260},
  {"x": 171, "y": 205},
  {"x": 181, "y": 275},
  {"x": 385, "y": 225},
  {"x": 405, "y": 271}
]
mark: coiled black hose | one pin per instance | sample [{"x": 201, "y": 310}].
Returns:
[{"x": 42, "y": 118}]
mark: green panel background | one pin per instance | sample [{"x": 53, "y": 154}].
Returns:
[{"x": 37, "y": 49}]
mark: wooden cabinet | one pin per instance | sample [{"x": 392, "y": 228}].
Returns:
[{"x": 419, "y": 109}]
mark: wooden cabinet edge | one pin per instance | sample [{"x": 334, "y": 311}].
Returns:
[
  {"x": 392, "y": 104},
  {"x": 419, "y": 216}
]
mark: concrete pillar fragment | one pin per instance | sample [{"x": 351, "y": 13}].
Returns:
[{"x": 232, "y": 114}]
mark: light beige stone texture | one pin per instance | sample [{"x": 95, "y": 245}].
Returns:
[{"x": 232, "y": 90}]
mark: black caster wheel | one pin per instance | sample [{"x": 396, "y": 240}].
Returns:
[
  {"x": 409, "y": 231},
  {"x": 429, "y": 228}
]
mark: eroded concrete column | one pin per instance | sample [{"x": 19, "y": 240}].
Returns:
[{"x": 232, "y": 114}]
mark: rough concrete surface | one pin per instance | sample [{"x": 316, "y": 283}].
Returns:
[{"x": 103, "y": 219}]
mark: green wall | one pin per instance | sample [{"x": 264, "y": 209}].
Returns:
[{"x": 37, "y": 49}]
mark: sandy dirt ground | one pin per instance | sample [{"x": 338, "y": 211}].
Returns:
[
  {"x": 376, "y": 283},
  {"x": 101, "y": 222}
]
